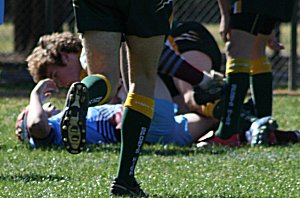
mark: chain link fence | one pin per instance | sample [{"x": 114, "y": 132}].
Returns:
[{"x": 26, "y": 21}]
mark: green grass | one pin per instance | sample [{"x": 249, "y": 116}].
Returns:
[
  {"x": 6, "y": 38},
  {"x": 165, "y": 171}
]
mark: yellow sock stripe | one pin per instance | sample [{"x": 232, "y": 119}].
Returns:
[
  {"x": 141, "y": 104},
  {"x": 260, "y": 65},
  {"x": 108, "y": 86},
  {"x": 237, "y": 66},
  {"x": 208, "y": 109}
]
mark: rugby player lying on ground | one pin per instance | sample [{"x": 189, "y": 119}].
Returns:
[
  {"x": 38, "y": 124},
  {"x": 203, "y": 59},
  {"x": 192, "y": 41},
  {"x": 57, "y": 58}
]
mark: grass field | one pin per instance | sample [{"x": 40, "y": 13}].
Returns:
[{"x": 164, "y": 171}]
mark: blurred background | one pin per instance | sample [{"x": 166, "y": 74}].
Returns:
[{"x": 27, "y": 20}]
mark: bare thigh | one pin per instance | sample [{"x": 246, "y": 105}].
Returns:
[
  {"x": 103, "y": 55},
  {"x": 259, "y": 46},
  {"x": 143, "y": 56},
  {"x": 240, "y": 45}
]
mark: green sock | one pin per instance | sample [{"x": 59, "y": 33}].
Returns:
[
  {"x": 262, "y": 93},
  {"x": 246, "y": 118},
  {"x": 135, "y": 126},
  {"x": 219, "y": 109},
  {"x": 236, "y": 89},
  {"x": 98, "y": 89}
]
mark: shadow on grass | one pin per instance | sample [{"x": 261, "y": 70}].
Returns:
[
  {"x": 28, "y": 177},
  {"x": 161, "y": 150}
]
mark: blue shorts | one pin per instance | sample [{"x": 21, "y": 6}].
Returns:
[{"x": 166, "y": 128}]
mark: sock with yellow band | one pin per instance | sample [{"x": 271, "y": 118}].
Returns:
[
  {"x": 261, "y": 84},
  {"x": 236, "y": 86},
  {"x": 216, "y": 109},
  {"x": 213, "y": 109},
  {"x": 136, "y": 121},
  {"x": 98, "y": 87}
]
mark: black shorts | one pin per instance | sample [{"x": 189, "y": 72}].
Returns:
[
  {"x": 253, "y": 23},
  {"x": 143, "y": 18},
  {"x": 194, "y": 36},
  {"x": 280, "y": 10}
]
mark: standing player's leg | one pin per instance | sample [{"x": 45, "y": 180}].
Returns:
[
  {"x": 237, "y": 81},
  {"x": 238, "y": 54},
  {"x": 139, "y": 106},
  {"x": 261, "y": 78},
  {"x": 144, "y": 34}
]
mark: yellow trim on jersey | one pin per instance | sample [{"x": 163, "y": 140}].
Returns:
[
  {"x": 260, "y": 65},
  {"x": 173, "y": 44},
  {"x": 237, "y": 7},
  {"x": 108, "y": 88},
  {"x": 208, "y": 109},
  {"x": 141, "y": 104},
  {"x": 238, "y": 66}
]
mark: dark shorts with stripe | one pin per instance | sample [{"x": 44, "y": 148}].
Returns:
[
  {"x": 280, "y": 10},
  {"x": 253, "y": 23},
  {"x": 196, "y": 37},
  {"x": 143, "y": 18}
]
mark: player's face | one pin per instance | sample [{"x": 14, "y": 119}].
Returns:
[{"x": 65, "y": 75}]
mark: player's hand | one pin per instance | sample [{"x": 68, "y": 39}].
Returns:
[
  {"x": 50, "y": 109},
  {"x": 274, "y": 44},
  {"x": 45, "y": 88}
]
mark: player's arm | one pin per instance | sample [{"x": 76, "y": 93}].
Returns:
[
  {"x": 224, "y": 6},
  {"x": 37, "y": 118}
]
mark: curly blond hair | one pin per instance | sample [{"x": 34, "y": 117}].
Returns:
[{"x": 48, "y": 52}]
